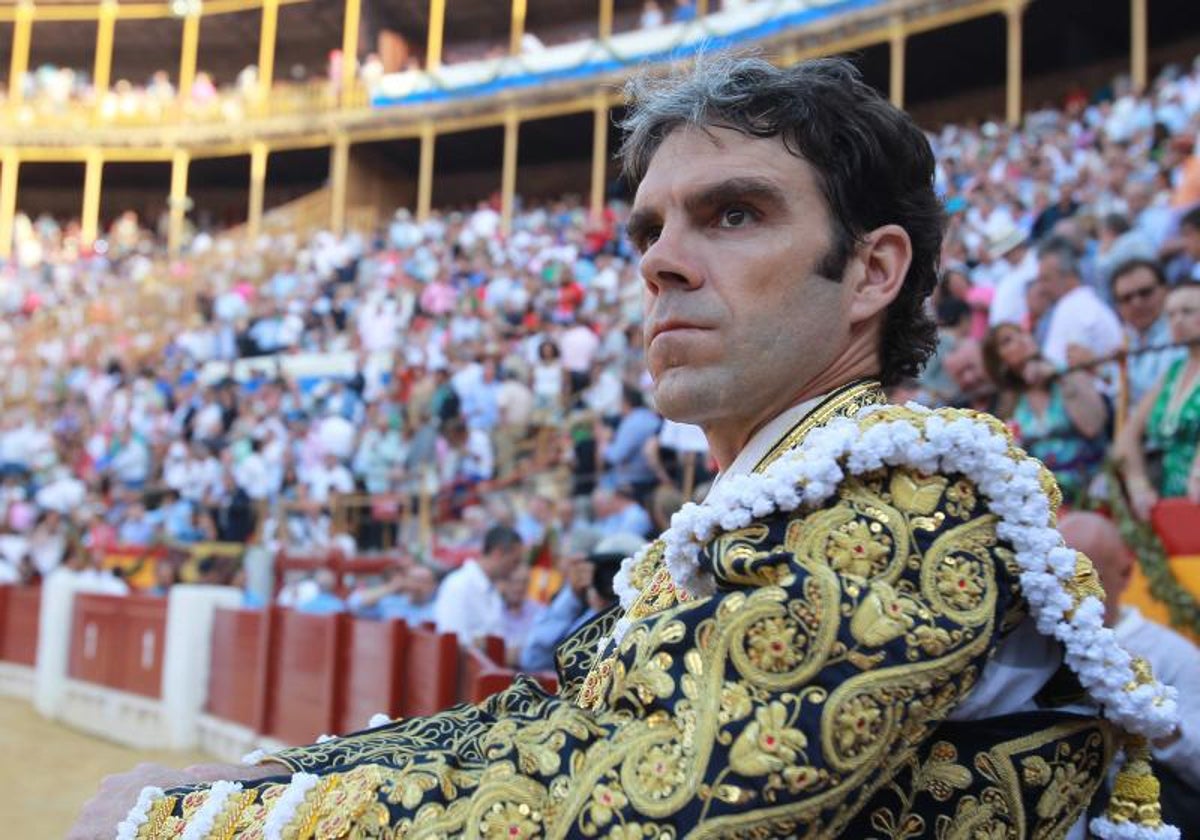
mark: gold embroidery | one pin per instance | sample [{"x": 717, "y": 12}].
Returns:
[
  {"x": 769, "y": 744},
  {"x": 917, "y": 494},
  {"x": 1069, "y": 779},
  {"x": 883, "y": 615},
  {"x": 840, "y": 638},
  {"x": 1086, "y": 582},
  {"x": 844, "y": 402}
]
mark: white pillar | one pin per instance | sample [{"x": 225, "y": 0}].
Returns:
[{"x": 187, "y": 656}]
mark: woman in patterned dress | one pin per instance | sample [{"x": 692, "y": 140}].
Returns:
[{"x": 1060, "y": 420}]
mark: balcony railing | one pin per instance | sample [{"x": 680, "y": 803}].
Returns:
[{"x": 139, "y": 109}]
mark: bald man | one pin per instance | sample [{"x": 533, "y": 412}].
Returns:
[{"x": 1175, "y": 660}]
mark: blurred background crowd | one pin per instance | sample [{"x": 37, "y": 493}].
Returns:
[{"x": 440, "y": 393}]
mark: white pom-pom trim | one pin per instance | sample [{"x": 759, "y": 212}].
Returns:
[
  {"x": 287, "y": 804},
  {"x": 378, "y": 719},
  {"x": 138, "y": 814},
  {"x": 1106, "y": 829},
  {"x": 810, "y": 474},
  {"x": 254, "y": 757},
  {"x": 202, "y": 821}
]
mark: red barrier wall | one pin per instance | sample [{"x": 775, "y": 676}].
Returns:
[
  {"x": 117, "y": 641},
  {"x": 236, "y": 672},
  {"x": 302, "y": 696},
  {"x": 480, "y": 676},
  {"x": 20, "y": 607},
  {"x": 372, "y": 671},
  {"x": 430, "y": 672}
]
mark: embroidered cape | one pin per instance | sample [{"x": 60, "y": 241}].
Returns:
[{"x": 807, "y": 697}]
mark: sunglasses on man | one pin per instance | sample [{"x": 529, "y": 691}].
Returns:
[{"x": 1144, "y": 293}]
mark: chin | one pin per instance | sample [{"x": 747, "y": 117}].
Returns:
[{"x": 683, "y": 395}]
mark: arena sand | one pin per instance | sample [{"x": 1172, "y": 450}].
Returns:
[{"x": 47, "y": 771}]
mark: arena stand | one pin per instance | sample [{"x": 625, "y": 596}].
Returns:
[{"x": 196, "y": 667}]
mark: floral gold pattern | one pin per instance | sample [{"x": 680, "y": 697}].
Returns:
[{"x": 809, "y": 693}]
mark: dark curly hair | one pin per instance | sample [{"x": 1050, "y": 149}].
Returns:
[{"x": 873, "y": 164}]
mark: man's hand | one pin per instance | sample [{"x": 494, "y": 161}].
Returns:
[
  {"x": 1078, "y": 355},
  {"x": 1037, "y": 372},
  {"x": 117, "y": 794},
  {"x": 579, "y": 577},
  {"x": 1142, "y": 499}
]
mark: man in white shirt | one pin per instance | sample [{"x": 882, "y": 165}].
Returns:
[
  {"x": 469, "y": 603},
  {"x": 252, "y": 473},
  {"x": 1080, "y": 320},
  {"x": 1174, "y": 659},
  {"x": 1014, "y": 266},
  {"x": 330, "y": 477}
]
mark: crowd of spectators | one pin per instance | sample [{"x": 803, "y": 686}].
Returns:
[
  {"x": 314, "y": 390},
  {"x": 50, "y": 90},
  {"x": 1068, "y": 283}
]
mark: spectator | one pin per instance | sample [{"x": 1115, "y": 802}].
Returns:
[
  {"x": 1064, "y": 208},
  {"x": 137, "y": 526},
  {"x": 678, "y": 456},
  {"x": 549, "y": 385},
  {"x": 321, "y": 598},
  {"x": 1060, "y": 421},
  {"x": 1082, "y": 327},
  {"x": 1150, "y": 211},
  {"x": 408, "y": 594},
  {"x": 1189, "y": 239},
  {"x": 329, "y": 478},
  {"x": 606, "y": 562},
  {"x": 623, "y": 451},
  {"x": 379, "y": 462},
  {"x": 1173, "y": 658},
  {"x": 49, "y": 542},
  {"x": 520, "y": 612},
  {"x": 130, "y": 460},
  {"x": 566, "y": 608},
  {"x": 166, "y": 575},
  {"x": 515, "y": 404},
  {"x": 1119, "y": 243},
  {"x": 685, "y": 11},
  {"x": 616, "y": 511},
  {"x": 973, "y": 389},
  {"x": 469, "y": 603},
  {"x": 88, "y": 570},
  {"x": 1166, "y": 422},
  {"x": 579, "y": 346},
  {"x": 652, "y": 15},
  {"x": 977, "y": 299},
  {"x": 480, "y": 400},
  {"x": 1139, "y": 290},
  {"x": 1013, "y": 267},
  {"x": 252, "y": 473}
]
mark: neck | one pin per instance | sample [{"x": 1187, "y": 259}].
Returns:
[{"x": 725, "y": 441}]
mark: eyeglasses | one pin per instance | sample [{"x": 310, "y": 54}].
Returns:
[{"x": 1144, "y": 293}]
